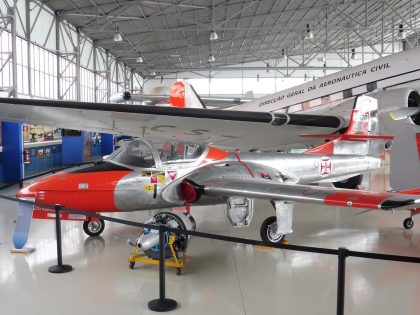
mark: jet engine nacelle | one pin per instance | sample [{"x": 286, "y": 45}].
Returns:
[{"x": 120, "y": 97}]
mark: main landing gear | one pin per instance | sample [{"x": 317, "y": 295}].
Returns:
[{"x": 274, "y": 229}]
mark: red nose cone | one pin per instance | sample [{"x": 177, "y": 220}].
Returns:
[{"x": 27, "y": 192}]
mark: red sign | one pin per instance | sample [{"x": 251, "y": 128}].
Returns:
[{"x": 172, "y": 175}]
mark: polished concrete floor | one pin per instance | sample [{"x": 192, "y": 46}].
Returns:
[{"x": 221, "y": 278}]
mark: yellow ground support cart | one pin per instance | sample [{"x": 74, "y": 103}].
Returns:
[{"x": 176, "y": 259}]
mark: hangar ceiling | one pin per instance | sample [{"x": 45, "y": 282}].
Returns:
[{"x": 174, "y": 36}]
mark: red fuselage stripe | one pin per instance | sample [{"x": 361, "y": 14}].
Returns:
[{"x": 243, "y": 163}]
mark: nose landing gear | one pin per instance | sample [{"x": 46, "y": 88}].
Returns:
[{"x": 94, "y": 227}]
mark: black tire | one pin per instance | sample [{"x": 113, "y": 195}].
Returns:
[
  {"x": 131, "y": 265},
  {"x": 178, "y": 271},
  {"x": 94, "y": 228},
  {"x": 192, "y": 221},
  {"x": 408, "y": 223},
  {"x": 349, "y": 183},
  {"x": 266, "y": 232}
]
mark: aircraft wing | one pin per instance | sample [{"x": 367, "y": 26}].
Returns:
[
  {"x": 310, "y": 194},
  {"x": 238, "y": 129}
]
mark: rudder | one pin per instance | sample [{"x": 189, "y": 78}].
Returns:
[{"x": 183, "y": 95}]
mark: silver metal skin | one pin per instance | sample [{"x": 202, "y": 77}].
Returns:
[
  {"x": 147, "y": 241},
  {"x": 136, "y": 192}
]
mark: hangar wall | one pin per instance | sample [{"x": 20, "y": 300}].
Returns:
[{"x": 43, "y": 56}]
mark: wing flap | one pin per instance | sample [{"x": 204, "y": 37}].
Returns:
[{"x": 311, "y": 194}]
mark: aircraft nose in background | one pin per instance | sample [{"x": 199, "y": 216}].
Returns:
[{"x": 28, "y": 191}]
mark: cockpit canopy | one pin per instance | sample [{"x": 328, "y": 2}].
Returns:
[{"x": 140, "y": 153}]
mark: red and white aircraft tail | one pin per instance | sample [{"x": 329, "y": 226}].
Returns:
[
  {"x": 363, "y": 127},
  {"x": 183, "y": 95}
]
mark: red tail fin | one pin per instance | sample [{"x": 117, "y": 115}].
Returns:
[{"x": 183, "y": 95}]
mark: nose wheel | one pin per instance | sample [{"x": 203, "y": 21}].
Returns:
[
  {"x": 94, "y": 228},
  {"x": 268, "y": 231},
  {"x": 408, "y": 223}
]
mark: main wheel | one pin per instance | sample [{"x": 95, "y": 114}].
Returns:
[
  {"x": 349, "y": 183},
  {"x": 268, "y": 231},
  {"x": 408, "y": 223},
  {"x": 94, "y": 228}
]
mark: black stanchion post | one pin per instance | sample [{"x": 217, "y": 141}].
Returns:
[
  {"x": 342, "y": 255},
  {"x": 59, "y": 268},
  {"x": 162, "y": 304}
]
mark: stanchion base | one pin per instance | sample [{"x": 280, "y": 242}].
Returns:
[
  {"x": 60, "y": 268},
  {"x": 165, "y": 305}
]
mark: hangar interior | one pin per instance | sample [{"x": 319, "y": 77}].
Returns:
[{"x": 91, "y": 50}]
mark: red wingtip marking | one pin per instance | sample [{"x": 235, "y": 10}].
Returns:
[
  {"x": 177, "y": 95},
  {"x": 356, "y": 199}
]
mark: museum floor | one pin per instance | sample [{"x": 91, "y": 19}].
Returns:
[{"x": 221, "y": 278}]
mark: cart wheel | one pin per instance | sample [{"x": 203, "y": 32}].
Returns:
[
  {"x": 131, "y": 265},
  {"x": 178, "y": 271}
]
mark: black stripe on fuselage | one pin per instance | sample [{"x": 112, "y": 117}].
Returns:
[{"x": 101, "y": 167}]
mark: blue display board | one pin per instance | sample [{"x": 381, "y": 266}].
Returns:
[
  {"x": 12, "y": 141},
  {"x": 107, "y": 144},
  {"x": 73, "y": 148}
]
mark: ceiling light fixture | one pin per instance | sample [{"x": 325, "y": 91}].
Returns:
[
  {"x": 213, "y": 35},
  {"x": 117, "y": 35},
  {"x": 139, "y": 59},
  {"x": 283, "y": 54},
  {"x": 308, "y": 35},
  {"x": 401, "y": 33}
]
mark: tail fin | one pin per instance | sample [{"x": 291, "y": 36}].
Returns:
[
  {"x": 363, "y": 127},
  {"x": 405, "y": 158},
  {"x": 183, "y": 95}
]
